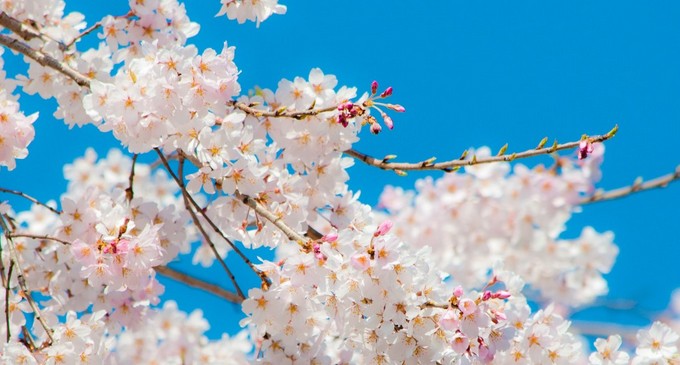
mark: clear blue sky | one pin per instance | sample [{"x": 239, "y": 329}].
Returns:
[{"x": 469, "y": 74}]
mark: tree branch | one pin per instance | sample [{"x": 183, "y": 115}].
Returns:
[
  {"x": 28, "y": 197},
  {"x": 449, "y": 166},
  {"x": 276, "y": 220},
  {"x": 44, "y": 60},
  {"x": 199, "y": 284},
  {"x": 636, "y": 187},
  {"x": 295, "y": 114}
]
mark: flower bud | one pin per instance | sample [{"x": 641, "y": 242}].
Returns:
[
  {"x": 374, "y": 87},
  {"x": 383, "y": 228},
  {"x": 375, "y": 128},
  {"x": 396, "y": 107},
  {"x": 387, "y": 92}
]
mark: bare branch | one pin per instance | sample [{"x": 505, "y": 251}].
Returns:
[
  {"x": 636, "y": 187},
  {"x": 129, "y": 192},
  {"x": 7, "y": 289},
  {"x": 295, "y": 114},
  {"x": 19, "y": 28},
  {"x": 39, "y": 237},
  {"x": 44, "y": 60},
  {"x": 199, "y": 284},
  {"x": 276, "y": 220},
  {"x": 87, "y": 31},
  {"x": 28, "y": 197},
  {"x": 385, "y": 164}
]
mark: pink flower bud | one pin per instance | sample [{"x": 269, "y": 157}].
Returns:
[
  {"x": 584, "y": 149},
  {"x": 383, "y": 228},
  {"x": 331, "y": 237},
  {"x": 396, "y": 107},
  {"x": 374, "y": 87},
  {"x": 458, "y": 291},
  {"x": 375, "y": 128},
  {"x": 486, "y": 295},
  {"x": 502, "y": 294},
  {"x": 388, "y": 121},
  {"x": 387, "y": 92}
]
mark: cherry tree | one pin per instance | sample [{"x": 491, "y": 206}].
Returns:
[{"x": 417, "y": 279}]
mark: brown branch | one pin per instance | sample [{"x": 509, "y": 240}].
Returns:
[
  {"x": 129, "y": 192},
  {"x": 636, "y": 187},
  {"x": 19, "y": 28},
  {"x": 44, "y": 60},
  {"x": 39, "y": 237},
  {"x": 198, "y": 209},
  {"x": 199, "y": 284},
  {"x": 249, "y": 109},
  {"x": 276, "y": 220},
  {"x": 7, "y": 290},
  {"x": 448, "y": 166},
  {"x": 28, "y": 197},
  {"x": 14, "y": 257},
  {"x": 87, "y": 31}
]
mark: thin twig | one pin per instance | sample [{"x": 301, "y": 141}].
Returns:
[
  {"x": 28, "y": 197},
  {"x": 14, "y": 257},
  {"x": 87, "y": 31},
  {"x": 276, "y": 220},
  {"x": 295, "y": 114},
  {"x": 129, "y": 192},
  {"x": 197, "y": 283},
  {"x": 217, "y": 229},
  {"x": 386, "y": 164},
  {"x": 188, "y": 202},
  {"x": 636, "y": 187},
  {"x": 44, "y": 60},
  {"x": 7, "y": 289},
  {"x": 39, "y": 237}
]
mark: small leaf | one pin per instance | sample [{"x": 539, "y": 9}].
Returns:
[
  {"x": 400, "y": 172},
  {"x": 542, "y": 143},
  {"x": 612, "y": 132},
  {"x": 388, "y": 157},
  {"x": 464, "y": 155},
  {"x": 429, "y": 161},
  {"x": 502, "y": 150}
]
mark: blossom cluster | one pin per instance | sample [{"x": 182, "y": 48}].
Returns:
[
  {"x": 16, "y": 128},
  {"x": 432, "y": 276},
  {"x": 489, "y": 215}
]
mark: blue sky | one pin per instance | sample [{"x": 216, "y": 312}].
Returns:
[{"x": 469, "y": 74}]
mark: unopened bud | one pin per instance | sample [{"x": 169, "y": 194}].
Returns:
[
  {"x": 396, "y": 107},
  {"x": 388, "y": 121},
  {"x": 387, "y": 92},
  {"x": 374, "y": 87},
  {"x": 375, "y": 128}
]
